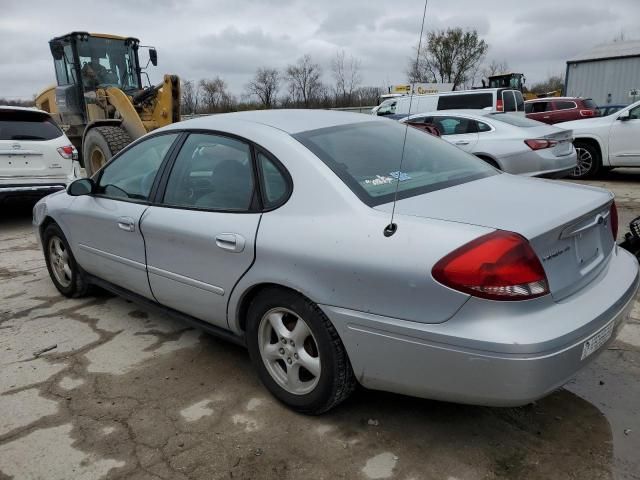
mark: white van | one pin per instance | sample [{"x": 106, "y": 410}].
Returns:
[{"x": 497, "y": 99}]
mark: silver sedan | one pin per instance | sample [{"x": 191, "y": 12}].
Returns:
[
  {"x": 273, "y": 229},
  {"x": 510, "y": 142}
]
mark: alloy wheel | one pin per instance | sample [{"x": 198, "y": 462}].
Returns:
[
  {"x": 289, "y": 351},
  {"x": 585, "y": 163},
  {"x": 59, "y": 260}
]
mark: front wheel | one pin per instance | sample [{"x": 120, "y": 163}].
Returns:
[
  {"x": 588, "y": 161},
  {"x": 63, "y": 269},
  {"x": 297, "y": 352}
]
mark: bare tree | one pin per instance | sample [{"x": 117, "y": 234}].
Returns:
[
  {"x": 346, "y": 73},
  {"x": 368, "y": 96},
  {"x": 494, "y": 68},
  {"x": 214, "y": 95},
  {"x": 265, "y": 85},
  {"x": 552, "y": 84},
  {"x": 449, "y": 57},
  {"x": 189, "y": 100},
  {"x": 304, "y": 81}
]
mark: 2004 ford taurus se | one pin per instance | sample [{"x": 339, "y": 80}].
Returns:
[{"x": 272, "y": 229}]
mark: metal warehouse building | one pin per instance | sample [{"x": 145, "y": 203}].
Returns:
[{"x": 606, "y": 73}]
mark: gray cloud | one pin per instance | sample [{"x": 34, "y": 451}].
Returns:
[{"x": 205, "y": 38}]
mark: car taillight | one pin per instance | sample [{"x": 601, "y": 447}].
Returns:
[
  {"x": 613, "y": 220},
  {"x": 499, "y": 105},
  {"x": 67, "y": 151},
  {"x": 498, "y": 266},
  {"x": 540, "y": 143},
  {"x": 587, "y": 113}
]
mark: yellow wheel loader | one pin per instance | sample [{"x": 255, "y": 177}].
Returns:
[{"x": 99, "y": 99}]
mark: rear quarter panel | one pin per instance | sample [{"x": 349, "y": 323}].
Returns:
[{"x": 328, "y": 245}]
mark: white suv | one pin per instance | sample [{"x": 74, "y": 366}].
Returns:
[
  {"x": 36, "y": 157},
  {"x": 606, "y": 142}
]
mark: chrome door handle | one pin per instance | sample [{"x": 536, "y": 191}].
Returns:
[
  {"x": 461, "y": 142},
  {"x": 127, "y": 224},
  {"x": 231, "y": 242},
  {"x": 547, "y": 117}
]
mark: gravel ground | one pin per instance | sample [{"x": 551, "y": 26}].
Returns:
[{"x": 100, "y": 388}]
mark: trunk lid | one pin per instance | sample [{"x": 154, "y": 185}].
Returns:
[
  {"x": 566, "y": 224},
  {"x": 563, "y": 137},
  {"x": 23, "y": 158}
]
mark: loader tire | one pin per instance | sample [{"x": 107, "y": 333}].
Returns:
[{"x": 100, "y": 144}]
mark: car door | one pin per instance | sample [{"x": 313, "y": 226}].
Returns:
[
  {"x": 624, "y": 146},
  {"x": 460, "y": 131},
  {"x": 200, "y": 235},
  {"x": 564, "y": 111},
  {"x": 104, "y": 227},
  {"x": 540, "y": 111}
]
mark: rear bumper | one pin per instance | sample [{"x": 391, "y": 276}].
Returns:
[
  {"x": 485, "y": 359},
  {"x": 540, "y": 163},
  {"x": 9, "y": 192}
]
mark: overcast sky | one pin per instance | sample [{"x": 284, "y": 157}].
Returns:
[{"x": 205, "y": 38}]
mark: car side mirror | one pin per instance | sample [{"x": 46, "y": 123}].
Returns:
[
  {"x": 623, "y": 117},
  {"x": 82, "y": 186},
  {"x": 153, "y": 56}
]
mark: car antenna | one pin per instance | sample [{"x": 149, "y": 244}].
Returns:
[{"x": 392, "y": 227}]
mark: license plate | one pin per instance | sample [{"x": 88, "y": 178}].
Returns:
[{"x": 597, "y": 340}]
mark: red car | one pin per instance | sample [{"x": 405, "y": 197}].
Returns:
[{"x": 560, "y": 109}]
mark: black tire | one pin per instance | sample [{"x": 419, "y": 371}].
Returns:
[
  {"x": 589, "y": 161},
  {"x": 336, "y": 380},
  {"x": 77, "y": 285},
  {"x": 100, "y": 144}
]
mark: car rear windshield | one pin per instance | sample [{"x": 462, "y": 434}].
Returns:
[
  {"x": 515, "y": 120},
  {"x": 588, "y": 103},
  {"x": 21, "y": 125},
  {"x": 467, "y": 100},
  {"x": 366, "y": 157}
]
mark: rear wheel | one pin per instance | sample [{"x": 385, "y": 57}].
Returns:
[
  {"x": 100, "y": 144},
  {"x": 588, "y": 161},
  {"x": 297, "y": 352}
]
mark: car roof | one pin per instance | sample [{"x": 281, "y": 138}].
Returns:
[
  {"x": 22, "y": 109},
  {"x": 291, "y": 121},
  {"x": 466, "y": 111},
  {"x": 546, "y": 99}
]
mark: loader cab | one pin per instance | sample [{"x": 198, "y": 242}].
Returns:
[
  {"x": 508, "y": 80},
  {"x": 85, "y": 63}
]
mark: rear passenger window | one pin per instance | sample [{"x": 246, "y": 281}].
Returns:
[
  {"x": 483, "y": 127},
  {"x": 274, "y": 183},
  {"x": 565, "y": 105},
  {"x": 211, "y": 172},
  {"x": 539, "y": 107},
  {"x": 469, "y": 100},
  {"x": 455, "y": 125}
]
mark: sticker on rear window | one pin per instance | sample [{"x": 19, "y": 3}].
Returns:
[
  {"x": 378, "y": 180},
  {"x": 401, "y": 176}
]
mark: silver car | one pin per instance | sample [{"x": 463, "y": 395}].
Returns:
[
  {"x": 510, "y": 142},
  {"x": 273, "y": 229}
]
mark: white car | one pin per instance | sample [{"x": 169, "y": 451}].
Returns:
[
  {"x": 507, "y": 141},
  {"x": 36, "y": 157},
  {"x": 606, "y": 142}
]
